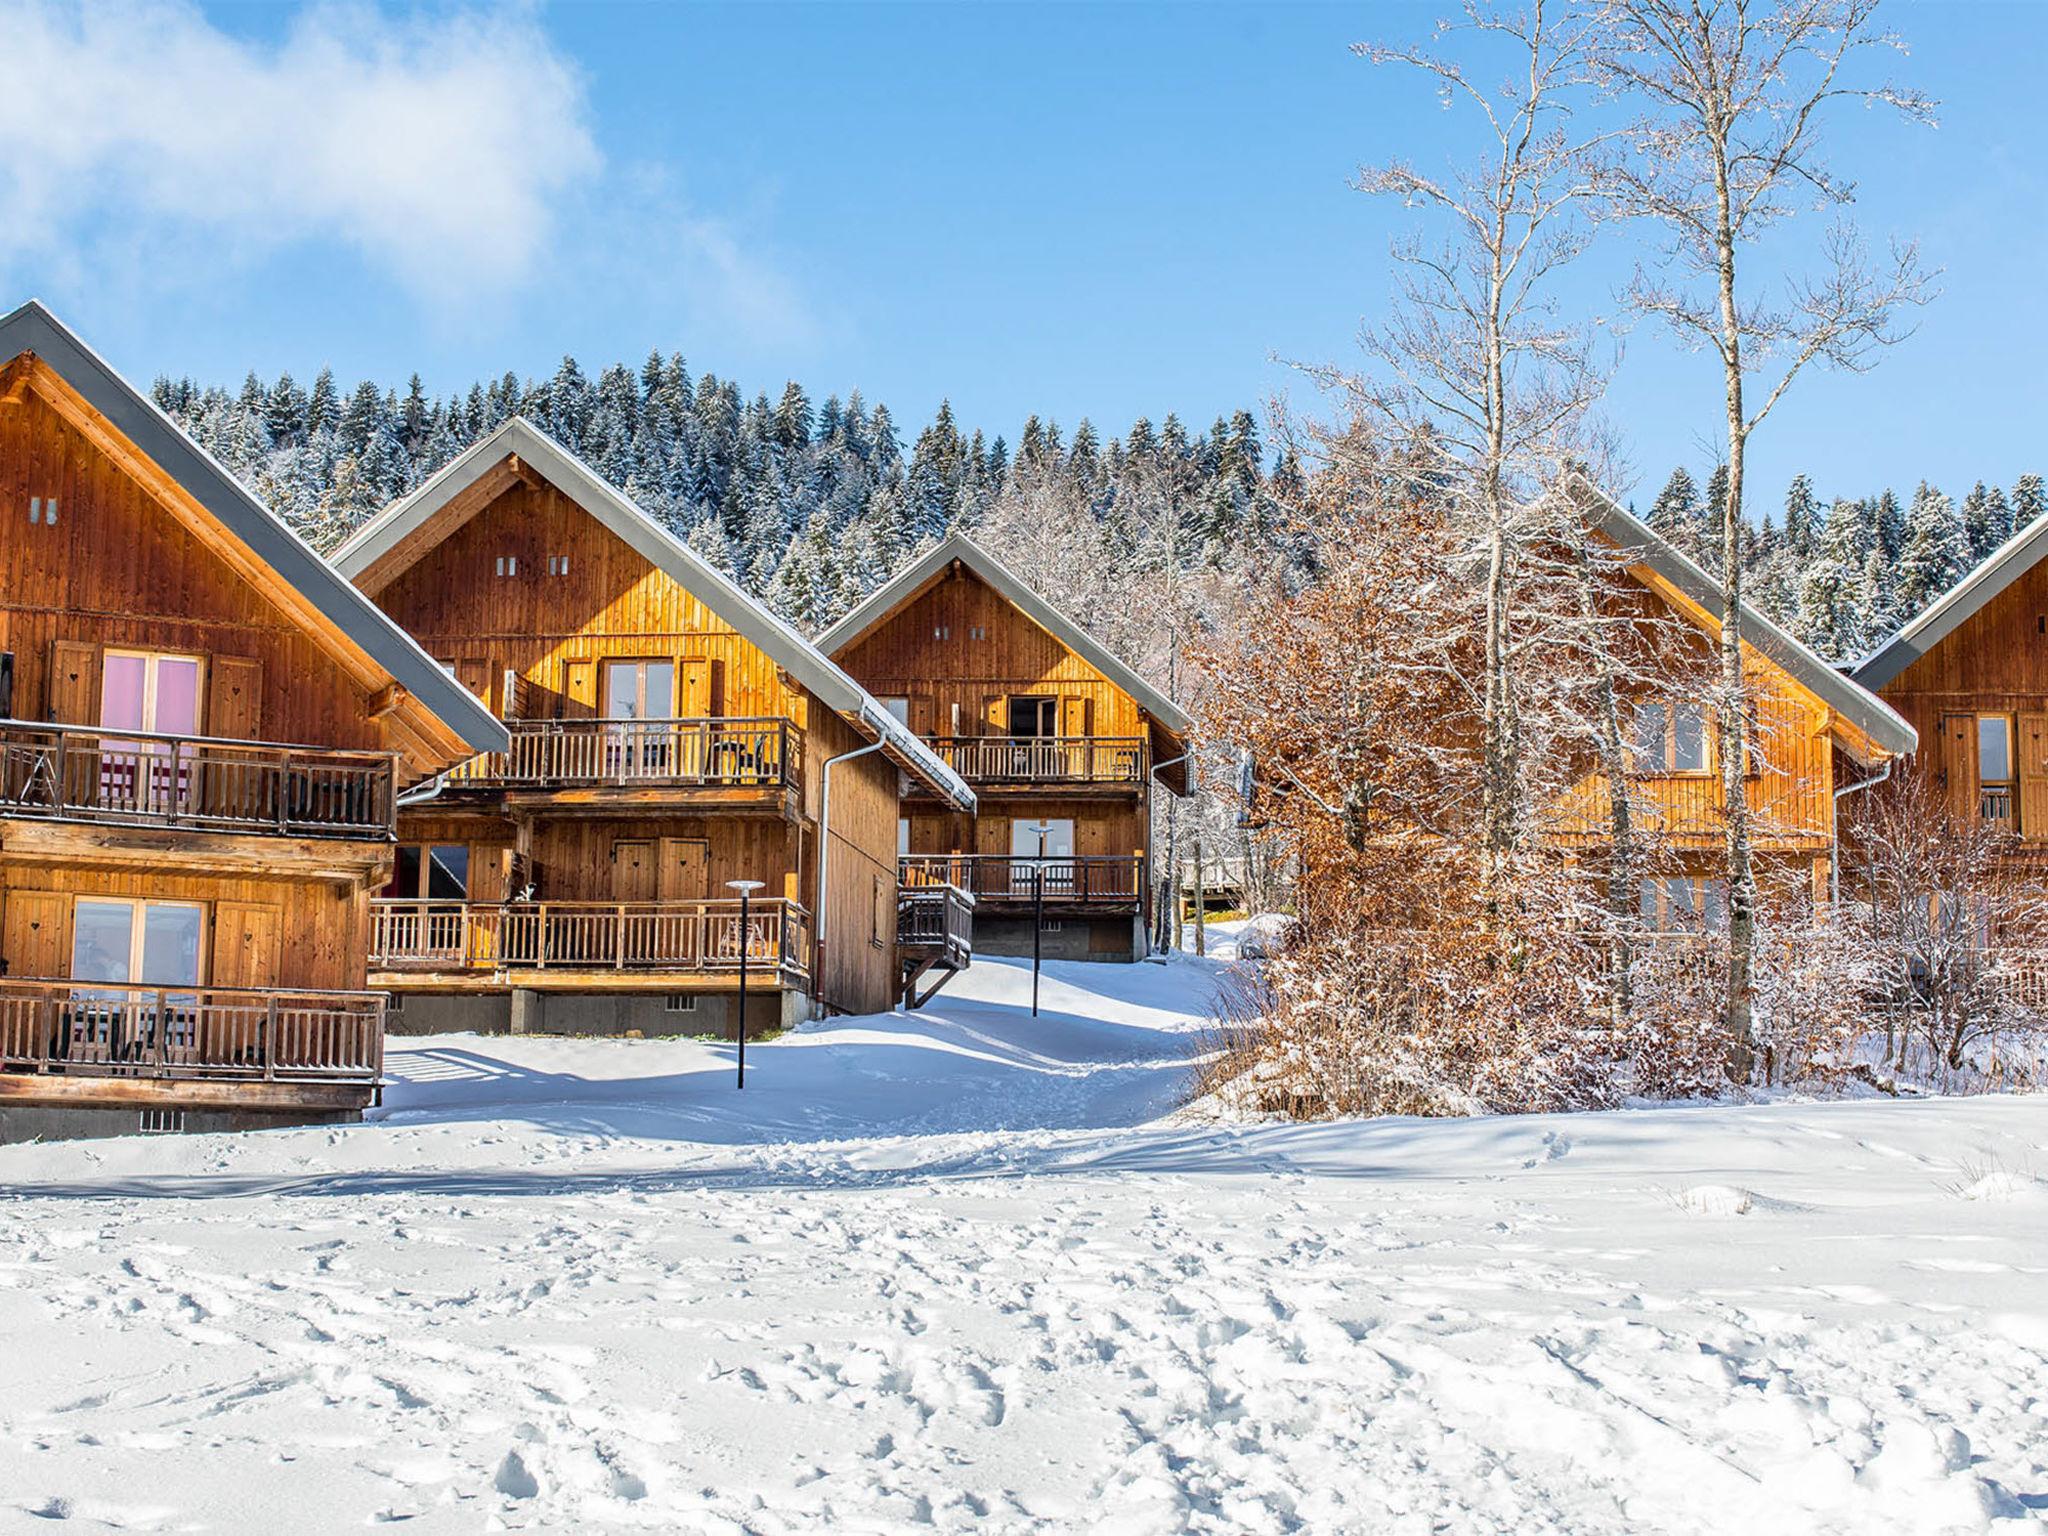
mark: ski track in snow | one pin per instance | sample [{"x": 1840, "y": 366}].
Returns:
[{"x": 960, "y": 1271}]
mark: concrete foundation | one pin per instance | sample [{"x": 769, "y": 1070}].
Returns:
[
  {"x": 1065, "y": 938},
  {"x": 63, "y": 1122},
  {"x": 526, "y": 1011}
]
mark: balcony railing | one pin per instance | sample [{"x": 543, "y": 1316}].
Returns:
[
  {"x": 694, "y": 936},
  {"x": 939, "y": 918},
  {"x": 139, "y": 778},
  {"x": 1045, "y": 759},
  {"x": 737, "y": 753},
  {"x": 1087, "y": 880},
  {"x": 1994, "y": 804},
  {"x": 111, "y": 1029}
]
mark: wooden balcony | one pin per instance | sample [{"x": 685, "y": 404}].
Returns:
[
  {"x": 738, "y": 754},
  {"x": 1091, "y": 880},
  {"x": 937, "y": 920},
  {"x": 223, "y": 1034},
  {"x": 581, "y": 938},
  {"x": 1093, "y": 760},
  {"x": 73, "y": 773}
]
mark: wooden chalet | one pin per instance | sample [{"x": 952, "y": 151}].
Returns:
[
  {"x": 1971, "y": 675},
  {"x": 667, "y": 736},
  {"x": 1060, "y": 739},
  {"x": 204, "y": 733},
  {"x": 1817, "y": 734}
]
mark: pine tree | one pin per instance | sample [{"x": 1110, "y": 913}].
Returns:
[
  {"x": 1676, "y": 512},
  {"x": 1987, "y": 520},
  {"x": 2028, "y": 502},
  {"x": 1801, "y": 514},
  {"x": 1936, "y": 552},
  {"x": 1890, "y": 522}
]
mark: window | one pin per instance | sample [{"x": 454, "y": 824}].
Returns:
[
  {"x": 942, "y": 632},
  {"x": 160, "y": 1122},
  {"x": 1995, "y": 776},
  {"x": 558, "y": 565},
  {"x": 146, "y": 691},
  {"x": 43, "y": 510},
  {"x": 430, "y": 872},
  {"x": 679, "y": 1002},
  {"x": 977, "y": 631},
  {"x": 1670, "y": 738},
  {"x": 902, "y": 837},
  {"x": 508, "y": 565},
  {"x": 140, "y": 943},
  {"x": 1682, "y": 904},
  {"x": 1056, "y": 841},
  {"x": 639, "y": 690},
  {"x": 900, "y": 708},
  {"x": 1034, "y": 716}
]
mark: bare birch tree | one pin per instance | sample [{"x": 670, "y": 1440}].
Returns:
[
  {"x": 1731, "y": 94},
  {"x": 1476, "y": 367}
]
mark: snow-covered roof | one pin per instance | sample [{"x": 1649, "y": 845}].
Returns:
[
  {"x": 1855, "y": 703},
  {"x": 906, "y": 583},
  {"x": 32, "y": 329},
  {"x": 1948, "y": 613},
  {"x": 611, "y": 507}
]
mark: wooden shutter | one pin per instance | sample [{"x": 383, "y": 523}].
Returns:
[
  {"x": 633, "y": 871},
  {"x": 694, "y": 695},
  {"x": 474, "y": 673},
  {"x": 921, "y": 713},
  {"x": 1959, "y": 765},
  {"x": 247, "y": 942},
  {"x": 1091, "y": 838},
  {"x": 35, "y": 934},
  {"x": 685, "y": 869},
  {"x": 1073, "y": 716},
  {"x": 74, "y": 696},
  {"x": 234, "y": 698},
  {"x": 579, "y": 686},
  {"x": 2032, "y": 747},
  {"x": 995, "y": 714}
]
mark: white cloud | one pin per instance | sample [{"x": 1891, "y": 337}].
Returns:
[{"x": 440, "y": 149}]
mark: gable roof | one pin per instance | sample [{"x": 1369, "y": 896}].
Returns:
[
  {"x": 1955, "y": 607},
  {"x": 1872, "y": 718},
  {"x": 34, "y": 331},
  {"x": 410, "y": 522},
  {"x": 936, "y": 561}
]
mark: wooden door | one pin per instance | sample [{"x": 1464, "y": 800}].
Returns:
[
  {"x": 35, "y": 934},
  {"x": 1959, "y": 766},
  {"x": 2032, "y": 747},
  {"x": 697, "y": 691}
]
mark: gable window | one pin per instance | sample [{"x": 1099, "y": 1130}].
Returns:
[
  {"x": 558, "y": 565},
  {"x": 43, "y": 510},
  {"x": 639, "y": 690},
  {"x": 942, "y": 632},
  {"x": 508, "y": 565},
  {"x": 1670, "y": 736},
  {"x": 1995, "y": 774}
]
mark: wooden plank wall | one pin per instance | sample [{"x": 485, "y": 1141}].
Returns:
[
  {"x": 990, "y": 649},
  {"x": 612, "y": 603},
  {"x": 117, "y": 569},
  {"x": 859, "y": 962},
  {"x": 574, "y": 854},
  {"x": 1996, "y": 662}
]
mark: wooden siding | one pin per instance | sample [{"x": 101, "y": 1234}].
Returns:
[{"x": 1994, "y": 663}]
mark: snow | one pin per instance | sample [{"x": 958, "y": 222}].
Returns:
[{"x": 966, "y": 1270}]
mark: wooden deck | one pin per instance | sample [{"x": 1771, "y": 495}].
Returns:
[
  {"x": 85, "y": 774},
  {"x": 1050, "y": 760},
  {"x": 1102, "y": 882},
  {"x": 608, "y": 945},
  {"x": 721, "y": 753}
]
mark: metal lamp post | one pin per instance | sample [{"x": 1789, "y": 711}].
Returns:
[
  {"x": 1037, "y": 909},
  {"x": 746, "y": 888}
]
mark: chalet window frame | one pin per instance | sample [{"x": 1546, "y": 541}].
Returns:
[
  {"x": 1045, "y": 705},
  {"x": 151, "y": 689},
  {"x": 424, "y": 876},
  {"x": 608, "y": 664},
  {"x": 1682, "y": 904},
  {"x": 1669, "y": 712},
  {"x": 139, "y": 910}
]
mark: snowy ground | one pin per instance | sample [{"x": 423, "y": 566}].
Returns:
[{"x": 954, "y": 1269}]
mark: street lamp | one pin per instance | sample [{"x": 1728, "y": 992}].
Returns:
[
  {"x": 746, "y": 888},
  {"x": 1037, "y": 908}
]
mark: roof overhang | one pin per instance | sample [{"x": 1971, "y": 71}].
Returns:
[
  {"x": 435, "y": 720},
  {"x": 1166, "y": 723},
  {"x": 1956, "y": 607},
  {"x": 406, "y": 530},
  {"x": 1866, "y": 727}
]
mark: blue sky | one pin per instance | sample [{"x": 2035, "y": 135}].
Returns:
[{"x": 1091, "y": 211}]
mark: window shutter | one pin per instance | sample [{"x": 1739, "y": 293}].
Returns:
[
  {"x": 74, "y": 695},
  {"x": 35, "y": 934},
  {"x": 234, "y": 698},
  {"x": 247, "y": 940},
  {"x": 2032, "y": 747},
  {"x": 1959, "y": 765}
]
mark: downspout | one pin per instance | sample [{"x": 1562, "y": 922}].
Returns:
[
  {"x": 1835, "y": 831},
  {"x": 825, "y": 854},
  {"x": 1172, "y": 875},
  {"x": 432, "y": 791}
]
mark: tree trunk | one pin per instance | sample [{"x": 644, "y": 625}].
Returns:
[
  {"x": 1622, "y": 860},
  {"x": 1201, "y": 903},
  {"x": 1738, "y": 1015}
]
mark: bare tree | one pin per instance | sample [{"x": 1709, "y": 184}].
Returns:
[
  {"x": 1731, "y": 95},
  {"x": 1476, "y": 368}
]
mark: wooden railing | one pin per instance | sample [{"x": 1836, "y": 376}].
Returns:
[
  {"x": 700, "y": 936},
  {"x": 653, "y": 753},
  {"x": 110, "y": 1029},
  {"x": 937, "y": 917},
  {"x": 139, "y": 778},
  {"x": 1090, "y": 879},
  {"x": 1045, "y": 759}
]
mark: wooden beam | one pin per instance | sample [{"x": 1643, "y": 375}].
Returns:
[
  {"x": 14, "y": 379},
  {"x": 387, "y": 699},
  {"x": 26, "y": 1089},
  {"x": 183, "y": 850},
  {"x": 460, "y": 508}
]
